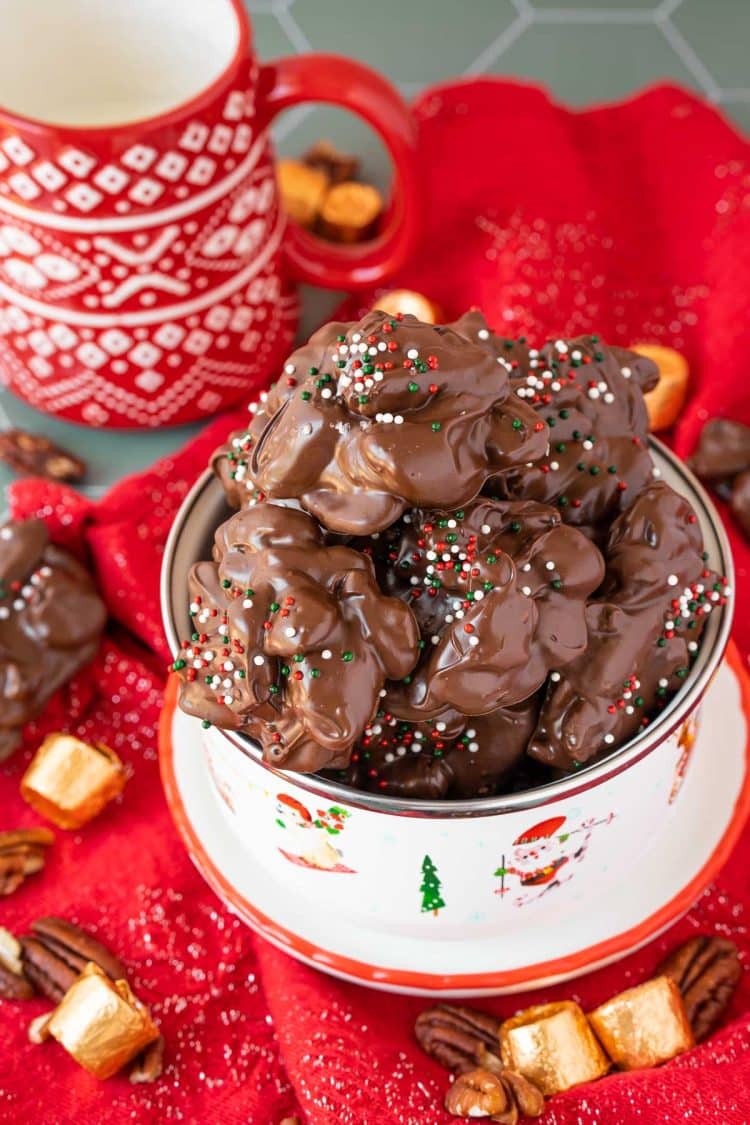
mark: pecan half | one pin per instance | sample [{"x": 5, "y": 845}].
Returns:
[
  {"x": 528, "y": 1098},
  {"x": 50, "y": 975},
  {"x": 58, "y": 951},
  {"x": 35, "y": 455},
  {"x": 706, "y": 971},
  {"x": 22, "y": 853},
  {"x": 459, "y": 1038},
  {"x": 502, "y": 1097},
  {"x": 148, "y": 1066}
]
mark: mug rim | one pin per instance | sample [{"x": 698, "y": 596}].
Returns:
[
  {"x": 680, "y": 706},
  {"x": 186, "y": 107}
]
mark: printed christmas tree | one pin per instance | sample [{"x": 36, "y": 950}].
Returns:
[{"x": 430, "y": 887}]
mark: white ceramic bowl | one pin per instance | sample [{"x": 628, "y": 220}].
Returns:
[{"x": 483, "y": 895}]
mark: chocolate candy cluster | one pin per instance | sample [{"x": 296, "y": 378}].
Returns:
[
  {"x": 51, "y": 618},
  {"x": 452, "y": 567}
]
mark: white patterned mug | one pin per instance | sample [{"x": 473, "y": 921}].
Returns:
[{"x": 146, "y": 269}]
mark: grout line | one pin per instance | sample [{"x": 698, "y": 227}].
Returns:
[
  {"x": 266, "y": 7},
  {"x": 292, "y": 29},
  {"x": 292, "y": 119},
  {"x": 694, "y": 64},
  {"x": 666, "y": 9},
  {"x": 495, "y": 49},
  {"x": 560, "y": 16}
]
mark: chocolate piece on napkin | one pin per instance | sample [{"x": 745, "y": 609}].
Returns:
[{"x": 50, "y": 620}]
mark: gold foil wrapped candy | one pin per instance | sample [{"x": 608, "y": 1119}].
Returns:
[
  {"x": 101, "y": 1023},
  {"x": 69, "y": 782},
  {"x": 553, "y": 1046},
  {"x": 644, "y": 1026}
]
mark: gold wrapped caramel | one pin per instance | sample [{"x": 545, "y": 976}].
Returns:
[
  {"x": 350, "y": 212},
  {"x": 665, "y": 402},
  {"x": 302, "y": 190},
  {"x": 69, "y": 782},
  {"x": 553, "y": 1046},
  {"x": 409, "y": 301},
  {"x": 101, "y": 1023},
  {"x": 644, "y": 1026}
]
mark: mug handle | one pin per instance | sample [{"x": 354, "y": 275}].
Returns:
[{"x": 344, "y": 82}]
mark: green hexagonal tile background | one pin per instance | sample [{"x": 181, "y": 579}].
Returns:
[{"x": 719, "y": 33}]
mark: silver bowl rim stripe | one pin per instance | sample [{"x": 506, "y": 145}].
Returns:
[{"x": 633, "y": 751}]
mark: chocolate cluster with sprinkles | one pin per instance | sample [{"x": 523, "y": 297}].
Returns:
[
  {"x": 590, "y": 396},
  {"x": 499, "y": 591},
  {"x": 51, "y": 618},
  {"x": 453, "y": 572},
  {"x": 293, "y": 640},
  {"x": 644, "y": 628},
  {"x": 387, "y": 414},
  {"x": 447, "y": 757}
]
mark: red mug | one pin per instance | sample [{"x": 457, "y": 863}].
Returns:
[{"x": 146, "y": 268}]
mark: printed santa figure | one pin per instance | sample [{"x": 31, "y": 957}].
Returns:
[
  {"x": 306, "y": 842},
  {"x": 545, "y": 856}
]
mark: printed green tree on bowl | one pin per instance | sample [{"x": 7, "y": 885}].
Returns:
[{"x": 430, "y": 887}]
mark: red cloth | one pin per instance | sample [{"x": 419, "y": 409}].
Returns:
[{"x": 631, "y": 220}]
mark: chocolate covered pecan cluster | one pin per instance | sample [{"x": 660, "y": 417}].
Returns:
[
  {"x": 385, "y": 415},
  {"x": 293, "y": 641},
  {"x": 51, "y": 618},
  {"x": 452, "y": 567}
]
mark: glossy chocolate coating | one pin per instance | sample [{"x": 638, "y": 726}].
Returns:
[
  {"x": 386, "y": 431},
  {"x": 50, "y": 621},
  {"x": 293, "y": 640},
  {"x": 231, "y": 461},
  {"x": 499, "y": 590},
  {"x": 449, "y": 757},
  {"x": 644, "y": 627},
  {"x": 387, "y": 414},
  {"x": 723, "y": 450},
  {"x": 591, "y": 397}
]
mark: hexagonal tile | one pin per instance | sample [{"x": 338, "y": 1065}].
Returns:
[
  {"x": 583, "y": 63},
  {"x": 739, "y": 114},
  {"x": 406, "y": 40},
  {"x": 719, "y": 33}
]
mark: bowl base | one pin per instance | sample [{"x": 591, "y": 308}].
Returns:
[{"x": 718, "y": 778}]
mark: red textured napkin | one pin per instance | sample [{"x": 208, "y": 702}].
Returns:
[{"x": 631, "y": 220}]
